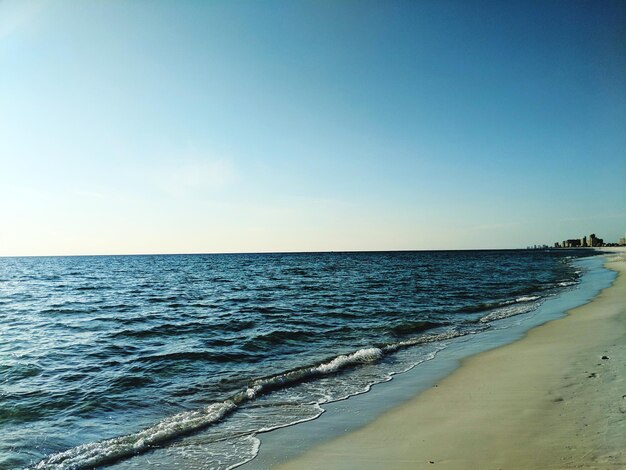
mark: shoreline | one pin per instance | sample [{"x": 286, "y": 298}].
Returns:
[{"x": 548, "y": 400}]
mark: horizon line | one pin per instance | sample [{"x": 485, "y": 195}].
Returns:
[{"x": 289, "y": 252}]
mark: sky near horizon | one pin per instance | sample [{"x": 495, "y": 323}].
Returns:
[{"x": 245, "y": 126}]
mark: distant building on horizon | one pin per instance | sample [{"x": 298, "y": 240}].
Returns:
[
  {"x": 571, "y": 243},
  {"x": 595, "y": 241},
  {"x": 584, "y": 242}
]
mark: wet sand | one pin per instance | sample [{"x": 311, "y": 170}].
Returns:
[{"x": 555, "y": 399}]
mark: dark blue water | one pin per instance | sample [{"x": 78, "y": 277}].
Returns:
[{"x": 106, "y": 358}]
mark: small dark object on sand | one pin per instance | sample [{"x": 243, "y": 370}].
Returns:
[{"x": 605, "y": 357}]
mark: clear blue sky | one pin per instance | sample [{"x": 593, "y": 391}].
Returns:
[{"x": 225, "y": 126}]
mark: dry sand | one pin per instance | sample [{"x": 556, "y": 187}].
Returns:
[{"x": 555, "y": 399}]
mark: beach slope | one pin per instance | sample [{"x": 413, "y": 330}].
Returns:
[{"x": 555, "y": 399}]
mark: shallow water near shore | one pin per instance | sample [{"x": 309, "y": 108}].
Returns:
[{"x": 184, "y": 360}]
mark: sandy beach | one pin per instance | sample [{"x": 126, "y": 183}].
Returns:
[{"x": 555, "y": 399}]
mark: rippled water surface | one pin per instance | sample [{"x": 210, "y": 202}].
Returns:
[{"x": 138, "y": 360}]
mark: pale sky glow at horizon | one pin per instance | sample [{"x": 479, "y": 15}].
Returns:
[{"x": 245, "y": 126}]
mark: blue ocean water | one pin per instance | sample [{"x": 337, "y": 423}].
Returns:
[{"x": 117, "y": 360}]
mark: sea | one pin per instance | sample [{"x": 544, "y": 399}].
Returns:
[{"x": 182, "y": 361}]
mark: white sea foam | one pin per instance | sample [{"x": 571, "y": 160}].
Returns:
[
  {"x": 450, "y": 334},
  {"x": 316, "y": 406},
  {"x": 527, "y": 298},
  {"x": 360, "y": 357},
  {"x": 509, "y": 311},
  {"x": 95, "y": 454},
  {"x": 256, "y": 445},
  {"x": 251, "y": 392}
]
